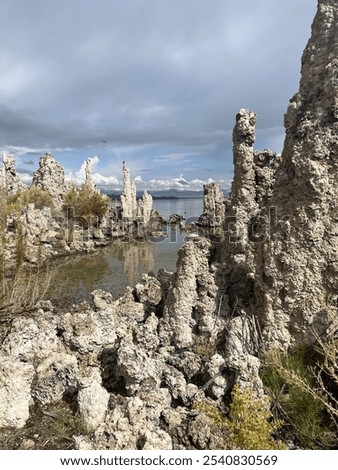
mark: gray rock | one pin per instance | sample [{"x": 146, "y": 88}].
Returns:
[
  {"x": 10, "y": 182},
  {"x": 144, "y": 208},
  {"x": 33, "y": 338},
  {"x": 92, "y": 399},
  {"x": 136, "y": 365},
  {"x": 15, "y": 382},
  {"x": 149, "y": 291},
  {"x": 56, "y": 377},
  {"x": 51, "y": 178},
  {"x": 87, "y": 331},
  {"x": 128, "y": 197},
  {"x": 213, "y": 206},
  {"x": 191, "y": 303}
]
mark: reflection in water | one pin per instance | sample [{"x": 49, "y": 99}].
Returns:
[
  {"x": 111, "y": 268},
  {"x": 137, "y": 258},
  {"x": 120, "y": 264}
]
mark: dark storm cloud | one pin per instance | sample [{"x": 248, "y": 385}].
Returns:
[{"x": 76, "y": 75}]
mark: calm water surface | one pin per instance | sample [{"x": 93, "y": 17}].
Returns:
[{"x": 120, "y": 264}]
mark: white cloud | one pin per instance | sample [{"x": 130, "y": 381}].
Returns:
[
  {"x": 180, "y": 183},
  {"x": 114, "y": 184},
  {"x": 106, "y": 181},
  {"x": 26, "y": 178}
]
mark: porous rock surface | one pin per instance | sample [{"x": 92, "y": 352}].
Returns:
[
  {"x": 10, "y": 182},
  {"x": 297, "y": 268},
  {"x": 118, "y": 357},
  {"x": 89, "y": 182},
  {"x": 213, "y": 205},
  {"x": 128, "y": 197},
  {"x": 144, "y": 207},
  {"x": 50, "y": 177},
  {"x": 132, "y": 208},
  {"x": 281, "y": 248}
]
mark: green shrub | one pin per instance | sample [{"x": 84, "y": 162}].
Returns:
[
  {"x": 249, "y": 425},
  {"x": 33, "y": 195},
  {"x": 85, "y": 204},
  {"x": 291, "y": 383}
]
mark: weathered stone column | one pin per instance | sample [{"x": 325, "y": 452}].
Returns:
[
  {"x": 88, "y": 175},
  {"x": 50, "y": 177},
  {"x": 10, "y": 182},
  {"x": 128, "y": 198},
  {"x": 144, "y": 207},
  {"x": 297, "y": 267},
  {"x": 242, "y": 205},
  {"x": 213, "y": 205}
]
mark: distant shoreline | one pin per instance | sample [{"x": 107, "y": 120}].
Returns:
[{"x": 157, "y": 198}]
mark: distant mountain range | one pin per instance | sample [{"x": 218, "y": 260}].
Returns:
[{"x": 167, "y": 194}]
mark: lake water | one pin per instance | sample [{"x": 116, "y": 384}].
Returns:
[{"x": 120, "y": 264}]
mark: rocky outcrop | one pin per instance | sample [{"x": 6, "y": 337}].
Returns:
[
  {"x": 280, "y": 250},
  {"x": 128, "y": 197},
  {"x": 132, "y": 209},
  {"x": 15, "y": 382},
  {"x": 51, "y": 178},
  {"x": 124, "y": 361},
  {"x": 242, "y": 204},
  {"x": 81, "y": 218},
  {"x": 40, "y": 232},
  {"x": 266, "y": 163},
  {"x": 191, "y": 303},
  {"x": 144, "y": 208},
  {"x": 92, "y": 399},
  {"x": 297, "y": 265},
  {"x": 213, "y": 206},
  {"x": 10, "y": 182},
  {"x": 176, "y": 219},
  {"x": 89, "y": 183}
]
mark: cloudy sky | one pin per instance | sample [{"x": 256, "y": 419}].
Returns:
[{"x": 154, "y": 82}]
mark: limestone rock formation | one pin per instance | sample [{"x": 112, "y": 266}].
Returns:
[
  {"x": 40, "y": 232},
  {"x": 15, "y": 382},
  {"x": 144, "y": 207},
  {"x": 149, "y": 291},
  {"x": 176, "y": 219},
  {"x": 92, "y": 399},
  {"x": 192, "y": 297},
  {"x": 280, "y": 250},
  {"x": 88, "y": 175},
  {"x": 119, "y": 357},
  {"x": 10, "y": 182},
  {"x": 128, "y": 198},
  {"x": 297, "y": 267},
  {"x": 50, "y": 177},
  {"x": 213, "y": 206},
  {"x": 266, "y": 163},
  {"x": 242, "y": 204},
  {"x": 131, "y": 208}
]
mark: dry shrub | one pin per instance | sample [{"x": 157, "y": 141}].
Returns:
[
  {"x": 249, "y": 425},
  {"x": 22, "y": 284}
]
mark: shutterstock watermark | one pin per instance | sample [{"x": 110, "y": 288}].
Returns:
[{"x": 231, "y": 229}]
